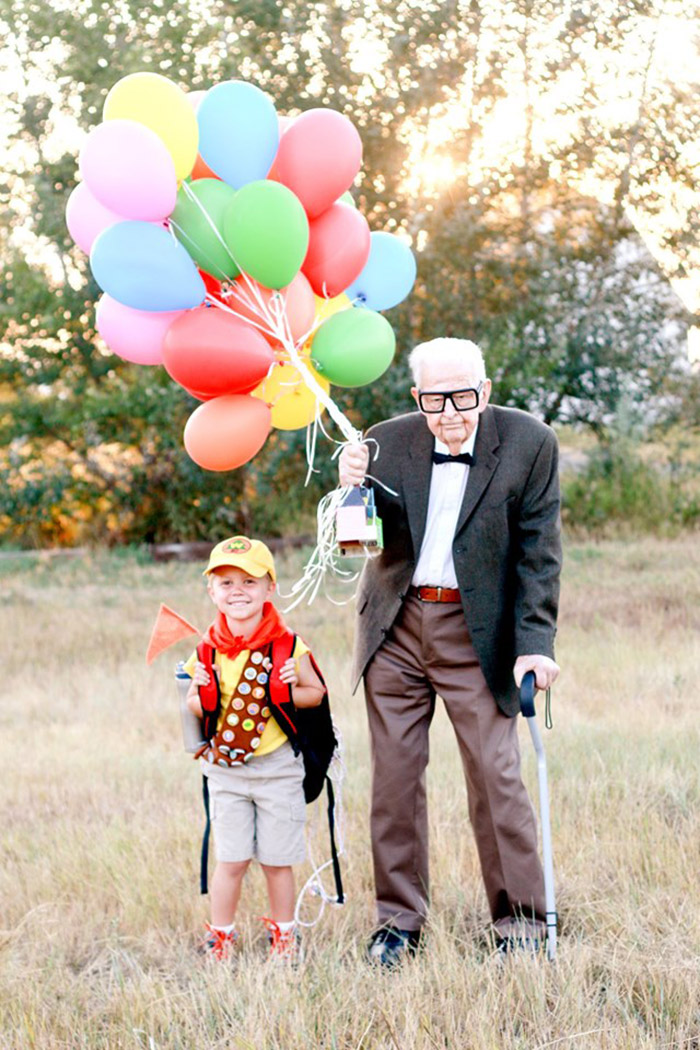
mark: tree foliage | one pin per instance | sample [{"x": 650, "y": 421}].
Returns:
[{"x": 557, "y": 126}]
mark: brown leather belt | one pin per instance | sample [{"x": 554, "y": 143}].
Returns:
[{"x": 435, "y": 594}]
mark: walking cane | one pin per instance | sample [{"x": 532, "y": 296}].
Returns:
[{"x": 527, "y": 709}]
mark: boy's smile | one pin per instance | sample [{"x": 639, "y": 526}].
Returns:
[{"x": 239, "y": 596}]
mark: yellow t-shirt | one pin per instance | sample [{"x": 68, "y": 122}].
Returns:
[{"x": 230, "y": 673}]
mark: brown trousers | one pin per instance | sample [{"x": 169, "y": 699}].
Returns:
[{"x": 427, "y": 652}]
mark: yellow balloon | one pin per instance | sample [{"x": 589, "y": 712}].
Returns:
[
  {"x": 325, "y": 308},
  {"x": 153, "y": 100},
  {"x": 292, "y": 404}
]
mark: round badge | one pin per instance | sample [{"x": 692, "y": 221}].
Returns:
[
  {"x": 244, "y": 688},
  {"x": 232, "y": 720},
  {"x": 267, "y": 663},
  {"x": 261, "y": 728},
  {"x": 247, "y": 758},
  {"x": 262, "y": 678},
  {"x": 227, "y": 734},
  {"x": 237, "y": 704},
  {"x": 258, "y": 692},
  {"x": 253, "y": 709},
  {"x": 222, "y": 762},
  {"x": 248, "y": 725},
  {"x": 255, "y": 742},
  {"x": 256, "y": 658},
  {"x": 265, "y": 712},
  {"x": 224, "y": 750},
  {"x": 249, "y": 673}
]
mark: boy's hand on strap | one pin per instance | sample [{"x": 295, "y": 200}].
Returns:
[
  {"x": 200, "y": 675},
  {"x": 288, "y": 672}
]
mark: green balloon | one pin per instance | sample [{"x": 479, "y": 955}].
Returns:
[
  {"x": 266, "y": 228},
  {"x": 353, "y": 347},
  {"x": 197, "y": 222}
]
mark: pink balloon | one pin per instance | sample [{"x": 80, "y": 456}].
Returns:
[
  {"x": 297, "y": 300},
  {"x": 129, "y": 169},
  {"x": 339, "y": 244},
  {"x": 135, "y": 335},
  {"x": 86, "y": 218},
  {"x": 319, "y": 155}
]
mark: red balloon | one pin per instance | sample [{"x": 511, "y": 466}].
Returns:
[
  {"x": 211, "y": 284},
  {"x": 299, "y": 305},
  {"x": 319, "y": 155},
  {"x": 225, "y": 433},
  {"x": 339, "y": 244},
  {"x": 209, "y": 351}
]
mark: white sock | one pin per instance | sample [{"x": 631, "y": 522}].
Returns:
[
  {"x": 285, "y": 927},
  {"x": 223, "y": 929}
]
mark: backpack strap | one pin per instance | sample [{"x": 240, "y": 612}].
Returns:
[
  {"x": 281, "y": 692},
  {"x": 210, "y": 694},
  {"x": 204, "y": 859},
  {"x": 340, "y": 896}
]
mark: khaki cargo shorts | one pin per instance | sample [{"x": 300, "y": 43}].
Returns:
[{"x": 258, "y": 809}]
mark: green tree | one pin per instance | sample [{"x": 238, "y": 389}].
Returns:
[{"x": 513, "y": 251}]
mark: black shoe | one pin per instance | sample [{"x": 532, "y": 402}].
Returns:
[
  {"x": 388, "y": 946},
  {"x": 528, "y": 944}
]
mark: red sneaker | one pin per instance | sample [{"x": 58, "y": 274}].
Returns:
[
  {"x": 217, "y": 944},
  {"x": 284, "y": 944}
]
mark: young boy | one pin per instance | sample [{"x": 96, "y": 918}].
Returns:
[{"x": 254, "y": 777}]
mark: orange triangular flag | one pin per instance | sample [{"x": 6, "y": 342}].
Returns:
[{"x": 169, "y": 628}]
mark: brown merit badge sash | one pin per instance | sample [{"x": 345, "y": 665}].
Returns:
[{"x": 243, "y": 719}]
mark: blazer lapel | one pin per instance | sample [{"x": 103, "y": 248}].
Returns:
[
  {"x": 417, "y": 469},
  {"x": 485, "y": 463}
]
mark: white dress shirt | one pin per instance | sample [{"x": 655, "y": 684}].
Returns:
[{"x": 448, "y": 483}]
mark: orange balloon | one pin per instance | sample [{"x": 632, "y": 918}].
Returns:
[
  {"x": 298, "y": 302},
  {"x": 226, "y": 432}
]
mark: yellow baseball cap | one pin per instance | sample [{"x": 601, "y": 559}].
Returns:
[{"x": 241, "y": 553}]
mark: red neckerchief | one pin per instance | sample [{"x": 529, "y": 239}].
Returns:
[{"x": 270, "y": 628}]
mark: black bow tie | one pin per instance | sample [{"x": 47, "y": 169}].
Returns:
[{"x": 463, "y": 457}]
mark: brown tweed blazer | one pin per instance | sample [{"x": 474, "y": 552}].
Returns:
[{"x": 507, "y": 549}]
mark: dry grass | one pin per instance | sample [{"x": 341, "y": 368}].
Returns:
[{"x": 101, "y": 823}]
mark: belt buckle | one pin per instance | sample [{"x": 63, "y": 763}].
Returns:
[{"x": 439, "y": 594}]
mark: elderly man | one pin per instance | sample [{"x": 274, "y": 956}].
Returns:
[{"x": 461, "y": 603}]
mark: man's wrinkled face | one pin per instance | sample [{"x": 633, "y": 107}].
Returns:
[{"x": 451, "y": 426}]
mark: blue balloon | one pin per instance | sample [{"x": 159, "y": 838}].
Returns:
[
  {"x": 238, "y": 132},
  {"x": 141, "y": 265},
  {"x": 388, "y": 276}
]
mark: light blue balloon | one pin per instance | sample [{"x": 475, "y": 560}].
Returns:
[
  {"x": 388, "y": 276},
  {"x": 141, "y": 265},
  {"x": 238, "y": 132}
]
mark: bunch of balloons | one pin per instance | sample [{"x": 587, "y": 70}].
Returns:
[{"x": 229, "y": 250}]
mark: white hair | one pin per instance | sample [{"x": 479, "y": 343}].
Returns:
[{"x": 462, "y": 353}]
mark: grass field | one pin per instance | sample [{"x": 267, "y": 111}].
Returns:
[{"x": 100, "y": 909}]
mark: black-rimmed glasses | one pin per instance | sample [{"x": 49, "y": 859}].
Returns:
[{"x": 462, "y": 400}]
